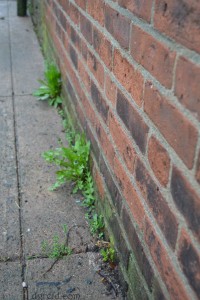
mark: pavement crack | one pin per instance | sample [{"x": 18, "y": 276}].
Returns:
[{"x": 22, "y": 259}]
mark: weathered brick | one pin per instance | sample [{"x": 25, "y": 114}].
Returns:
[
  {"x": 198, "y": 169},
  {"x": 171, "y": 123},
  {"x": 86, "y": 28},
  {"x": 118, "y": 26},
  {"x": 179, "y": 20},
  {"x": 70, "y": 91},
  {"x": 96, "y": 9},
  {"x": 110, "y": 90},
  {"x": 158, "y": 205},
  {"x": 136, "y": 279},
  {"x": 130, "y": 78},
  {"x": 93, "y": 141},
  {"x": 119, "y": 240},
  {"x": 103, "y": 47},
  {"x": 123, "y": 143},
  {"x": 164, "y": 263},
  {"x": 142, "y": 9},
  {"x": 153, "y": 55},
  {"x": 96, "y": 68},
  {"x": 113, "y": 190},
  {"x": 63, "y": 21},
  {"x": 190, "y": 261},
  {"x": 75, "y": 38},
  {"x": 74, "y": 57},
  {"x": 159, "y": 160},
  {"x": 99, "y": 102},
  {"x": 157, "y": 291},
  {"x": 186, "y": 200},
  {"x": 138, "y": 250},
  {"x": 187, "y": 85},
  {"x": 132, "y": 121}
]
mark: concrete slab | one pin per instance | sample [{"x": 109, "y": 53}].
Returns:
[
  {"x": 27, "y": 68},
  {"x": 10, "y": 281},
  {"x": 5, "y": 70},
  {"x": 71, "y": 278},
  {"x": 9, "y": 210},
  {"x": 22, "y": 32},
  {"x": 12, "y": 8},
  {"x": 3, "y": 9},
  {"x": 27, "y": 60},
  {"x": 44, "y": 212},
  {"x": 4, "y": 31}
]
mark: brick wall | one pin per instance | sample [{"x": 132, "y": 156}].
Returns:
[{"x": 131, "y": 72}]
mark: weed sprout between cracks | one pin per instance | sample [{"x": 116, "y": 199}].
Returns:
[
  {"x": 73, "y": 162},
  {"x": 51, "y": 86}
]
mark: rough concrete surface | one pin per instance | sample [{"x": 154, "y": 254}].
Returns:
[{"x": 29, "y": 213}]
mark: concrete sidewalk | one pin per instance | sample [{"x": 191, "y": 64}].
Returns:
[{"x": 29, "y": 213}]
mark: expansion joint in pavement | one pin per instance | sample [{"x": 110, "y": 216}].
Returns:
[{"x": 22, "y": 258}]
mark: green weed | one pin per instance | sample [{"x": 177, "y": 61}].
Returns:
[
  {"x": 56, "y": 249},
  {"x": 72, "y": 162},
  {"x": 108, "y": 254},
  {"x": 96, "y": 223},
  {"x": 51, "y": 86}
]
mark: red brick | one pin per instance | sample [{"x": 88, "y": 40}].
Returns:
[
  {"x": 99, "y": 102},
  {"x": 86, "y": 28},
  {"x": 80, "y": 3},
  {"x": 103, "y": 47},
  {"x": 130, "y": 78},
  {"x": 177, "y": 130},
  {"x": 96, "y": 68},
  {"x": 164, "y": 263},
  {"x": 74, "y": 14},
  {"x": 110, "y": 90},
  {"x": 133, "y": 121},
  {"x": 158, "y": 205},
  {"x": 90, "y": 113},
  {"x": 189, "y": 259},
  {"x": 142, "y": 9},
  {"x": 179, "y": 20},
  {"x": 84, "y": 76},
  {"x": 96, "y": 9},
  {"x": 129, "y": 193},
  {"x": 118, "y": 26},
  {"x": 123, "y": 143},
  {"x": 153, "y": 55},
  {"x": 187, "y": 85},
  {"x": 110, "y": 183},
  {"x": 198, "y": 169},
  {"x": 187, "y": 200},
  {"x": 159, "y": 160}
]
